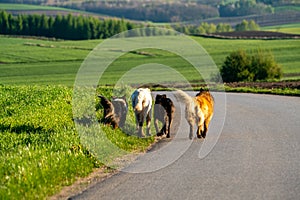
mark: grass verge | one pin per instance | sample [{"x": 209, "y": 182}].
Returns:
[
  {"x": 277, "y": 91},
  {"x": 40, "y": 148}
]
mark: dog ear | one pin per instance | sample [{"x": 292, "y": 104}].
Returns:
[
  {"x": 164, "y": 96},
  {"x": 101, "y": 97},
  {"x": 104, "y": 101}
]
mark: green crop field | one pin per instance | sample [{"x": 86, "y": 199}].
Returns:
[
  {"x": 36, "y": 61},
  {"x": 287, "y": 8},
  {"x": 47, "y": 10},
  {"x": 10, "y": 6},
  {"x": 286, "y": 28}
]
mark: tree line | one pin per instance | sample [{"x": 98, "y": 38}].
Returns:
[
  {"x": 149, "y": 11},
  {"x": 63, "y": 27},
  {"x": 244, "y": 7},
  {"x": 208, "y": 28}
]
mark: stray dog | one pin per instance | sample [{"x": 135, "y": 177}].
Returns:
[
  {"x": 199, "y": 110},
  {"x": 115, "y": 111},
  {"x": 121, "y": 109},
  {"x": 142, "y": 104},
  {"x": 164, "y": 112}
]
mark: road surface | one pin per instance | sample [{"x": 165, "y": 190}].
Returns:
[{"x": 257, "y": 156}]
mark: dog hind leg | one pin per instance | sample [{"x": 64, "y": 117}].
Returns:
[
  {"x": 148, "y": 120},
  {"x": 206, "y": 124}
]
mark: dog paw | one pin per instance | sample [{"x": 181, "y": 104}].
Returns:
[{"x": 159, "y": 134}]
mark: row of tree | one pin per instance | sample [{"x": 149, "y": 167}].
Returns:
[
  {"x": 244, "y": 7},
  {"x": 247, "y": 26},
  {"x": 148, "y": 11},
  {"x": 63, "y": 27},
  {"x": 207, "y": 28},
  {"x": 203, "y": 28}
]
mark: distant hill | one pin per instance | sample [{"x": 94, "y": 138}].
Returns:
[{"x": 263, "y": 12}]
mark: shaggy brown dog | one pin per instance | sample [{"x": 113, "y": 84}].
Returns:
[
  {"x": 115, "y": 111},
  {"x": 121, "y": 109},
  {"x": 199, "y": 110},
  {"x": 163, "y": 111}
]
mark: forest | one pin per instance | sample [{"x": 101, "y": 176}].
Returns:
[{"x": 62, "y": 27}]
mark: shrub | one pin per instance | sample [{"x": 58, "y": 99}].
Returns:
[
  {"x": 259, "y": 65},
  {"x": 247, "y": 26},
  {"x": 236, "y": 67}
]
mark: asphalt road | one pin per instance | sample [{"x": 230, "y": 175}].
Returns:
[{"x": 257, "y": 156}]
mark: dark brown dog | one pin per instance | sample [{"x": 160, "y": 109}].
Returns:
[
  {"x": 164, "y": 112},
  {"x": 115, "y": 111}
]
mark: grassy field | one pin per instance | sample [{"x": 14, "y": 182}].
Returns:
[
  {"x": 9, "y": 6},
  {"x": 287, "y": 8},
  {"x": 47, "y": 10},
  {"x": 36, "y": 61},
  {"x": 287, "y": 28},
  {"x": 39, "y": 146}
]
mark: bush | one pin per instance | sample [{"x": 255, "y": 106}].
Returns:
[
  {"x": 259, "y": 65},
  {"x": 247, "y": 26},
  {"x": 264, "y": 66}
]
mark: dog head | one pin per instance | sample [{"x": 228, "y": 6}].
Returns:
[
  {"x": 200, "y": 91},
  {"x": 106, "y": 104},
  {"x": 160, "y": 98}
]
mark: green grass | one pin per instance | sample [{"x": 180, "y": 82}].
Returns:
[
  {"x": 36, "y": 61},
  {"x": 40, "y": 150},
  {"x": 50, "y": 9},
  {"x": 33, "y": 61},
  {"x": 285, "y": 51},
  {"x": 287, "y": 8},
  {"x": 277, "y": 91},
  {"x": 286, "y": 28},
  {"x": 10, "y": 6}
]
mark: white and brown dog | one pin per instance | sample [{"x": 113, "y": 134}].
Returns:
[{"x": 198, "y": 111}]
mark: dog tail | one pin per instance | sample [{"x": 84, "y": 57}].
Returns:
[
  {"x": 189, "y": 103},
  {"x": 184, "y": 97}
]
